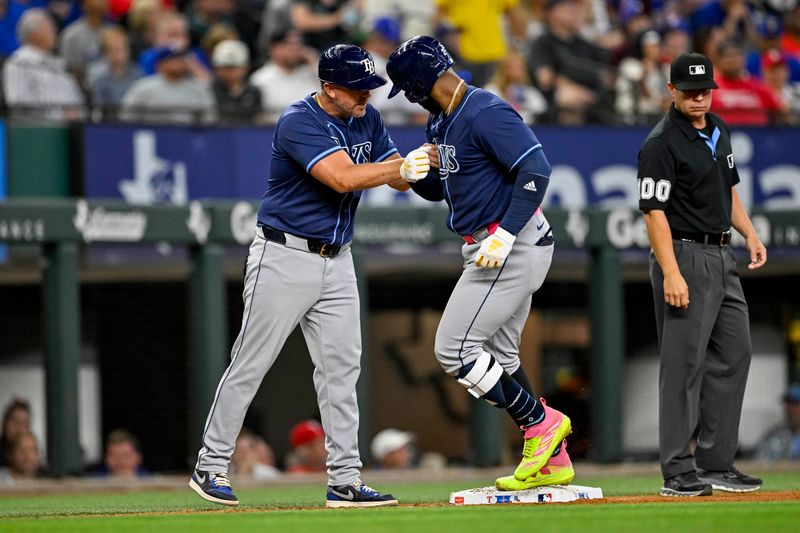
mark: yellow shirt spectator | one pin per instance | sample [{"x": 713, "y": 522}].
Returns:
[{"x": 480, "y": 26}]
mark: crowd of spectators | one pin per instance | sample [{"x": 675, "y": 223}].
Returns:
[
  {"x": 21, "y": 452},
  {"x": 243, "y": 61}
]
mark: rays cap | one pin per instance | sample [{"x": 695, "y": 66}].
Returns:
[{"x": 691, "y": 72}]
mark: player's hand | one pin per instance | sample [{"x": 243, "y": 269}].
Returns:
[
  {"x": 494, "y": 249},
  {"x": 415, "y": 166},
  {"x": 676, "y": 291},
  {"x": 433, "y": 154},
  {"x": 758, "y": 253}
]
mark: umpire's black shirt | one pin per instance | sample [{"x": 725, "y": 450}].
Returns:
[{"x": 688, "y": 173}]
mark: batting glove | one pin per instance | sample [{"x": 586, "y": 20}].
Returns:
[
  {"x": 494, "y": 249},
  {"x": 415, "y": 166}
]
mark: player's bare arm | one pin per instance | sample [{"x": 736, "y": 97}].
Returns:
[
  {"x": 676, "y": 291},
  {"x": 338, "y": 171},
  {"x": 741, "y": 222}
]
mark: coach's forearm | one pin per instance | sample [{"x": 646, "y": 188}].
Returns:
[{"x": 369, "y": 175}]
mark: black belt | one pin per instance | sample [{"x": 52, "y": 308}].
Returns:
[
  {"x": 324, "y": 249},
  {"x": 718, "y": 239}
]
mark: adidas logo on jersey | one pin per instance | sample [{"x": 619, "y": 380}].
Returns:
[{"x": 530, "y": 186}]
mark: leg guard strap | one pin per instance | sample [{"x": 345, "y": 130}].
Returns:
[{"x": 483, "y": 376}]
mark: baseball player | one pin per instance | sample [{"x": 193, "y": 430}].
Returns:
[
  {"x": 327, "y": 148},
  {"x": 493, "y": 174}
]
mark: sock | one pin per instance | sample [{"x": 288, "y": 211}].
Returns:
[
  {"x": 522, "y": 407},
  {"x": 522, "y": 378},
  {"x": 558, "y": 449}
]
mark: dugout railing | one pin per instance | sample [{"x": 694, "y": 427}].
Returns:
[{"x": 62, "y": 226}]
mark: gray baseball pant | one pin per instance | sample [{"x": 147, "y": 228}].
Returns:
[
  {"x": 488, "y": 307},
  {"x": 705, "y": 359},
  {"x": 285, "y": 286}
]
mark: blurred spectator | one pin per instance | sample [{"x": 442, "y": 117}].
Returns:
[
  {"x": 172, "y": 32},
  {"x": 216, "y": 34},
  {"x": 642, "y": 95},
  {"x": 480, "y": 24},
  {"x": 253, "y": 457},
  {"x": 143, "y": 18},
  {"x": 570, "y": 71},
  {"x": 203, "y": 14},
  {"x": 171, "y": 95},
  {"x": 22, "y": 459},
  {"x": 783, "y": 441},
  {"x": 16, "y": 420},
  {"x": 511, "y": 83},
  {"x": 9, "y": 18},
  {"x": 324, "y": 23},
  {"x": 80, "y": 41},
  {"x": 740, "y": 99},
  {"x": 110, "y": 78},
  {"x": 393, "y": 449},
  {"x": 732, "y": 16},
  {"x": 417, "y": 17},
  {"x": 275, "y": 20},
  {"x": 775, "y": 73},
  {"x": 790, "y": 40},
  {"x": 123, "y": 457},
  {"x": 769, "y": 39},
  {"x": 290, "y": 74},
  {"x": 674, "y": 42},
  {"x": 238, "y": 101},
  {"x": 707, "y": 41},
  {"x": 308, "y": 454},
  {"x": 381, "y": 42},
  {"x": 35, "y": 80}
]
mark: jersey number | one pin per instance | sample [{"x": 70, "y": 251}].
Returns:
[{"x": 648, "y": 188}]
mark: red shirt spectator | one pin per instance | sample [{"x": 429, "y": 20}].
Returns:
[{"x": 741, "y": 100}]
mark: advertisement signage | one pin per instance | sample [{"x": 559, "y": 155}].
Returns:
[{"x": 593, "y": 166}]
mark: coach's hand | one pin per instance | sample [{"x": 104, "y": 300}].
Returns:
[
  {"x": 415, "y": 166},
  {"x": 494, "y": 249}
]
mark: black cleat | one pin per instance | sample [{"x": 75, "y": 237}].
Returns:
[
  {"x": 730, "y": 481},
  {"x": 686, "y": 484},
  {"x": 357, "y": 495},
  {"x": 214, "y": 487}
]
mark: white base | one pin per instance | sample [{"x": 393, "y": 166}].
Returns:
[{"x": 546, "y": 494}]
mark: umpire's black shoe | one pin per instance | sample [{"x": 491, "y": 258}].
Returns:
[
  {"x": 357, "y": 495},
  {"x": 214, "y": 487},
  {"x": 686, "y": 484},
  {"x": 730, "y": 481}
]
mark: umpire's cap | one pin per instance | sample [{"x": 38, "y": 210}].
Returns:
[
  {"x": 692, "y": 71},
  {"x": 416, "y": 65},
  {"x": 349, "y": 66}
]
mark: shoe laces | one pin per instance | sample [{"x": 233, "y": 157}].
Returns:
[
  {"x": 530, "y": 447},
  {"x": 221, "y": 479},
  {"x": 363, "y": 487}
]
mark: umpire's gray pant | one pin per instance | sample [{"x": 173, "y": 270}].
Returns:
[{"x": 705, "y": 358}]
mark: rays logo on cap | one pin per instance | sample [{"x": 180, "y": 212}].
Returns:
[
  {"x": 697, "y": 70},
  {"x": 369, "y": 66}
]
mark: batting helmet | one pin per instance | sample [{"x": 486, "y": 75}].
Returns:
[
  {"x": 349, "y": 66},
  {"x": 416, "y": 65}
]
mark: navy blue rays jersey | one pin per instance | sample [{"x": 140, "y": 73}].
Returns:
[
  {"x": 296, "y": 202},
  {"x": 481, "y": 143}
]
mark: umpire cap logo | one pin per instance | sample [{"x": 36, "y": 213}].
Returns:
[
  {"x": 369, "y": 66},
  {"x": 697, "y": 70}
]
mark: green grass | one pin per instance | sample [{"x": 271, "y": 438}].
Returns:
[{"x": 268, "y": 509}]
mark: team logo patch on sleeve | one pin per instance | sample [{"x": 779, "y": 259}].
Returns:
[{"x": 730, "y": 160}]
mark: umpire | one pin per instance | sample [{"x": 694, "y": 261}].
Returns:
[{"x": 685, "y": 183}]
